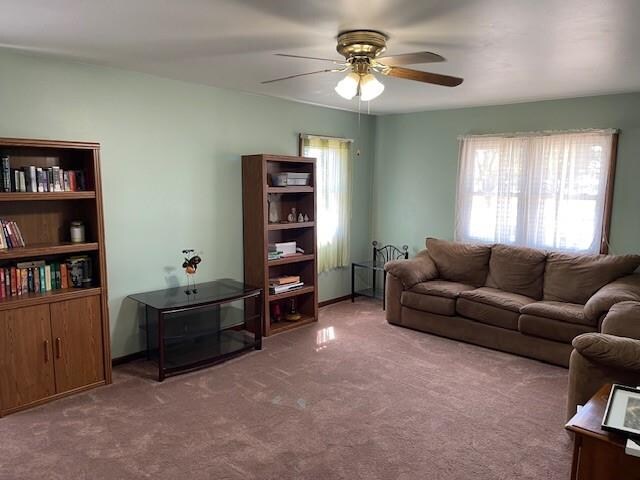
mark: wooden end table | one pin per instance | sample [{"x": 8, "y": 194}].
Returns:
[{"x": 598, "y": 454}]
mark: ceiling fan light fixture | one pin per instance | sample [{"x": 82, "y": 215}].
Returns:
[
  {"x": 370, "y": 87},
  {"x": 347, "y": 88}
]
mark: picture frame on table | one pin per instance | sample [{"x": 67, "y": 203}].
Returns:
[{"x": 622, "y": 414}]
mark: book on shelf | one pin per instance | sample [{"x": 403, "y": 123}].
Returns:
[
  {"x": 276, "y": 289},
  {"x": 284, "y": 280},
  {"x": 39, "y": 179},
  {"x": 39, "y": 276},
  {"x": 10, "y": 235},
  {"x": 274, "y": 255}
]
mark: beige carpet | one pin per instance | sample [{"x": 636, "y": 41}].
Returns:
[{"x": 351, "y": 397}]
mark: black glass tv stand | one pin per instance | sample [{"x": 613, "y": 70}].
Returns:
[{"x": 186, "y": 332}]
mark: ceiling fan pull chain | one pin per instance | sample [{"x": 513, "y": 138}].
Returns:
[{"x": 358, "y": 137}]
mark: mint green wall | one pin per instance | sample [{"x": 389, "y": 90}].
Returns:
[
  {"x": 417, "y": 155},
  {"x": 170, "y": 166}
]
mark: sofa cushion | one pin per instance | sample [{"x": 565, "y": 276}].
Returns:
[
  {"x": 428, "y": 303},
  {"x": 551, "y": 329},
  {"x": 497, "y": 298},
  {"x": 563, "y": 311},
  {"x": 623, "y": 320},
  {"x": 574, "y": 278},
  {"x": 489, "y": 314},
  {"x": 412, "y": 271},
  {"x": 460, "y": 262},
  {"x": 609, "y": 350},
  {"x": 621, "y": 290},
  {"x": 517, "y": 269},
  {"x": 441, "y": 288}
]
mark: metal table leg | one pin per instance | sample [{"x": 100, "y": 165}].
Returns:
[
  {"x": 384, "y": 290},
  {"x": 259, "y": 321},
  {"x": 353, "y": 282},
  {"x": 146, "y": 320},
  {"x": 160, "y": 347}
]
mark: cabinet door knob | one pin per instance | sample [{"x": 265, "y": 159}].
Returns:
[
  {"x": 46, "y": 351},
  {"x": 58, "y": 348}
]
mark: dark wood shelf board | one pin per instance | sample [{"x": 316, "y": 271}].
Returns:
[
  {"x": 294, "y": 259},
  {"x": 59, "y": 295},
  {"x": 288, "y": 159},
  {"x": 293, "y": 189},
  {"x": 283, "y": 326},
  {"x": 287, "y": 226},
  {"x": 292, "y": 293},
  {"x": 46, "y": 249},
  {"x": 44, "y": 143},
  {"x": 44, "y": 196}
]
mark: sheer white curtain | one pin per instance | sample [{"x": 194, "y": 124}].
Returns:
[
  {"x": 546, "y": 190},
  {"x": 333, "y": 196}
]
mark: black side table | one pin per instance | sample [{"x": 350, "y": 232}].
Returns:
[
  {"x": 381, "y": 256},
  {"x": 186, "y": 332}
]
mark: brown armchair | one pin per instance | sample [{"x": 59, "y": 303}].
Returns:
[{"x": 612, "y": 356}]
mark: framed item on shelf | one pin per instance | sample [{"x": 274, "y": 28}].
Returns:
[{"x": 623, "y": 410}]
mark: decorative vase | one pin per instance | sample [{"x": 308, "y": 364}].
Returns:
[{"x": 274, "y": 216}]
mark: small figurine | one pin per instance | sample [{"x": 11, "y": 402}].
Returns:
[
  {"x": 306, "y": 217},
  {"x": 292, "y": 315},
  {"x": 300, "y": 217},
  {"x": 190, "y": 266},
  {"x": 292, "y": 216}
]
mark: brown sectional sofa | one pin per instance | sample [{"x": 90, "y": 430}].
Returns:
[{"x": 519, "y": 300}]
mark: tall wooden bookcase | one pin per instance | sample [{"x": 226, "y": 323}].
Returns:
[
  {"x": 258, "y": 233},
  {"x": 54, "y": 343}
]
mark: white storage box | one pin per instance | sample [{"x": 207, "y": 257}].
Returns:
[
  {"x": 300, "y": 179},
  {"x": 287, "y": 248}
]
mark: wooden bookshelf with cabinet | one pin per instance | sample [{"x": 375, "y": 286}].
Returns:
[
  {"x": 257, "y": 187},
  {"x": 56, "y": 342}
]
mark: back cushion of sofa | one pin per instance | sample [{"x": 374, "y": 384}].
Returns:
[
  {"x": 460, "y": 262},
  {"x": 517, "y": 270},
  {"x": 575, "y": 278}
]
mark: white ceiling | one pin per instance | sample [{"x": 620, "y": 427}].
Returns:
[{"x": 506, "y": 50}]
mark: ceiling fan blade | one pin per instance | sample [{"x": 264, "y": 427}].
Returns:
[
  {"x": 426, "y": 77},
  {"x": 337, "y": 62},
  {"x": 303, "y": 74},
  {"x": 411, "y": 59}
]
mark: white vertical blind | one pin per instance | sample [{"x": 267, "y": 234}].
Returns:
[
  {"x": 333, "y": 194},
  {"x": 544, "y": 190}
]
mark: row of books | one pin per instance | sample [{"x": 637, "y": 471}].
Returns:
[
  {"x": 284, "y": 284},
  {"x": 39, "y": 276},
  {"x": 38, "y": 179},
  {"x": 10, "y": 235}
]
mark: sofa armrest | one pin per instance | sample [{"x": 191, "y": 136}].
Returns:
[
  {"x": 623, "y": 289},
  {"x": 623, "y": 320},
  {"x": 414, "y": 270},
  {"x": 609, "y": 350}
]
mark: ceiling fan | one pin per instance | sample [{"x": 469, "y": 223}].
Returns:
[{"x": 361, "y": 50}]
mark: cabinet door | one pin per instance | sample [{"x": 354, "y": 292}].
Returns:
[
  {"x": 26, "y": 360},
  {"x": 77, "y": 342}
]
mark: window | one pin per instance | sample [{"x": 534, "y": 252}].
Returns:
[
  {"x": 549, "y": 191},
  {"x": 333, "y": 194}
]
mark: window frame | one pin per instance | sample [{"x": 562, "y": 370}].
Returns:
[{"x": 606, "y": 196}]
